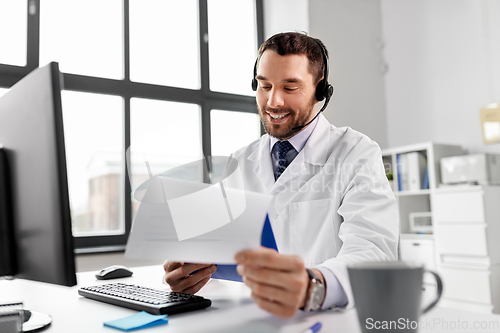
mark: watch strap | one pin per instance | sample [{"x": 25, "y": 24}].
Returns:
[{"x": 313, "y": 280}]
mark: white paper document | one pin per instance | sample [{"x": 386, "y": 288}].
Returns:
[{"x": 196, "y": 222}]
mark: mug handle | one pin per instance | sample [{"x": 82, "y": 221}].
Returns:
[{"x": 439, "y": 291}]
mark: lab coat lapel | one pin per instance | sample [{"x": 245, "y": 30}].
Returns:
[
  {"x": 262, "y": 163},
  {"x": 316, "y": 149},
  {"x": 314, "y": 154}
]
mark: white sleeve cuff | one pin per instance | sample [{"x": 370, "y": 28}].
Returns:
[
  {"x": 163, "y": 279},
  {"x": 335, "y": 295}
]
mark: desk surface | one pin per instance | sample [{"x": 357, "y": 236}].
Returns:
[{"x": 232, "y": 310}]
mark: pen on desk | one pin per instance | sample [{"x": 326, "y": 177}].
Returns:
[{"x": 314, "y": 328}]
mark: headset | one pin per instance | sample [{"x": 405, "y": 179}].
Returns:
[{"x": 324, "y": 90}]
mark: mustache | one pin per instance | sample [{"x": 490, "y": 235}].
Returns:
[{"x": 282, "y": 110}]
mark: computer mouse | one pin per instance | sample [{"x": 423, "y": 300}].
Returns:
[{"x": 114, "y": 272}]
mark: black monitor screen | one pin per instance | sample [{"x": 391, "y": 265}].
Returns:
[{"x": 31, "y": 132}]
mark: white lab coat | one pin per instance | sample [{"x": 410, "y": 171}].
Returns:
[{"x": 333, "y": 204}]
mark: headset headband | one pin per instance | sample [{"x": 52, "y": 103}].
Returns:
[{"x": 323, "y": 89}]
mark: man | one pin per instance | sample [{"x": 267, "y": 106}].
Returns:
[{"x": 332, "y": 202}]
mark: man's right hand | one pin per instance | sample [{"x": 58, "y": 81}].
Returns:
[{"x": 180, "y": 276}]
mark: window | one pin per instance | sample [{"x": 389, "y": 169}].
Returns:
[
  {"x": 227, "y": 133},
  {"x": 155, "y": 80},
  {"x": 229, "y": 62},
  {"x": 13, "y": 32},
  {"x": 164, "y": 43},
  {"x": 93, "y": 132},
  {"x": 89, "y": 43},
  {"x": 160, "y": 140}
]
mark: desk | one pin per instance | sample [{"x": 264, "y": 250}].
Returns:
[{"x": 232, "y": 310}]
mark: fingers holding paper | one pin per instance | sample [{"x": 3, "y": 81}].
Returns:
[
  {"x": 186, "y": 277},
  {"x": 278, "y": 282}
]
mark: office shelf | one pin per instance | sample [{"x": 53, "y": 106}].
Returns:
[
  {"x": 409, "y": 193},
  {"x": 417, "y": 201},
  {"x": 413, "y": 236},
  {"x": 418, "y": 247}
]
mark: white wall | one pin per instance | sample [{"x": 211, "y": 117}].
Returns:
[
  {"x": 285, "y": 15},
  {"x": 352, "y": 32},
  {"x": 444, "y": 65}
]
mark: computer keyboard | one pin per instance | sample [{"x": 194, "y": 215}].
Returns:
[{"x": 139, "y": 298}]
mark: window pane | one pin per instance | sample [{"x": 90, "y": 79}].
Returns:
[
  {"x": 93, "y": 132},
  {"x": 85, "y": 37},
  {"x": 164, "y": 134},
  {"x": 164, "y": 42},
  {"x": 232, "y": 45},
  {"x": 13, "y": 32},
  {"x": 227, "y": 133}
]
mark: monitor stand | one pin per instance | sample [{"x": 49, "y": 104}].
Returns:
[{"x": 36, "y": 321}]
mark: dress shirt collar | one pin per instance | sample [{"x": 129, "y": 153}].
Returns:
[{"x": 299, "y": 140}]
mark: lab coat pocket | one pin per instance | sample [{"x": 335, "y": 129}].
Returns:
[{"x": 311, "y": 230}]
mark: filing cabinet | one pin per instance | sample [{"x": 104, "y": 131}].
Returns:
[
  {"x": 467, "y": 238},
  {"x": 419, "y": 249}
]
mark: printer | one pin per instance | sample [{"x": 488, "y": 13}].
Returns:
[{"x": 471, "y": 169}]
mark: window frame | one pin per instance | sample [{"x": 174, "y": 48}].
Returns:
[{"x": 127, "y": 89}]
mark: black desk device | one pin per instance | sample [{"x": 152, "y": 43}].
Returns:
[{"x": 154, "y": 301}]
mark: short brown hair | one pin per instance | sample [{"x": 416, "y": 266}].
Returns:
[{"x": 298, "y": 43}]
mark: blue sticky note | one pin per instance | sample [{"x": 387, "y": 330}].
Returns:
[{"x": 137, "y": 321}]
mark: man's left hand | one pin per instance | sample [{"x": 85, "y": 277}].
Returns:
[{"x": 278, "y": 281}]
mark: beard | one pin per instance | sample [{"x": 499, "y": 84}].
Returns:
[{"x": 296, "y": 118}]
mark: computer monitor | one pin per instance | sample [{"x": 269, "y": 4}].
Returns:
[{"x": 31, "y": 132}]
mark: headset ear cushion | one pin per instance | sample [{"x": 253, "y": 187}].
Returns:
[
  {"x": 254, "y": 85},
  {"x": 320, "y": 91},
  {"x": 329, "y": 91}
]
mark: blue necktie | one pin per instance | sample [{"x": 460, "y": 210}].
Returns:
[
  {"x": 283, "y": 148},
  {"x": 228, "y": 272}
]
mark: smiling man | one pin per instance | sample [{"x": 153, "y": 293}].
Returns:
[
  {"x": 286, "y": 97},
  {"x": 332, "y": 202}
]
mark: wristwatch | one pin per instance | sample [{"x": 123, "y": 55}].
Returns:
[{"x": 315, "y": 293}]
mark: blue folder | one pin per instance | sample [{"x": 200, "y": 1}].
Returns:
[{"x": 228, "y": 272}]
